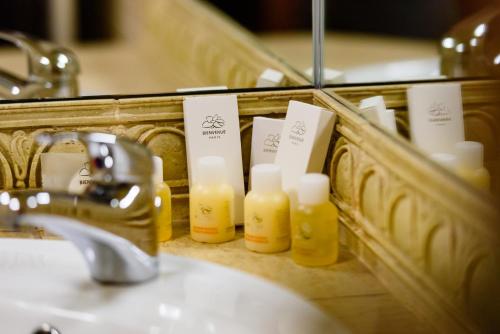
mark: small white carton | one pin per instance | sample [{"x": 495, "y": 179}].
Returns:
[
  {"x": 270, "y": 78},
  {"x": 304, "y": 142},
  {"x": 374, "y": 109},
  {"x": 436, "y": 116},
  {"x": 330, "y": 76},
  {"x": 59, "y": 169},
  {"x": 212, "y": 127},
  {"x": 266, "y": 135},
  {"x": 389, "y": 121}
]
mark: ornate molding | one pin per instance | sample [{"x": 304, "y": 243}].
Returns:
[{"x": 404, "y": 233}]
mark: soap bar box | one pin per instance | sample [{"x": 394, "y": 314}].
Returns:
[
  {"x": 436, "y": 116},
  {"x": 304, "y": 142},
  {"x": 266, "y": 137},
  {"x": 65, "y": 171},
  {"x": 212, "y": 127}
]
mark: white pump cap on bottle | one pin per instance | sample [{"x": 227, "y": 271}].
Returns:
[
  {"x": 447, "y": 160},
  {"x": 470, "y": 154},
  {"x": 211, "y": 170},
  {"x": 313, "y": 189},
  {"x": 157, "y": 170},
  {"x": 266, "y": 178}
]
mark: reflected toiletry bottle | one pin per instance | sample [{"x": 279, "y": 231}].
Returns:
[
  {"x": 447, "y": 160},
  {"x": 470, "y": 164},
  {"x": 163, "y": 201},
  {"x": 211, "y": 200},
  {"x": 314, "y": 223},
  {"x": 267, "y": 211}
]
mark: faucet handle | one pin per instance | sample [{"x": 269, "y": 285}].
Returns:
[
  {"x": 113, "y": 159},
  {"x": 54, "y": 69}
]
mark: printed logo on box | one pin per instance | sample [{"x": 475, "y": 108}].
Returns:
[
  {"x": 214, "y": 125},
  {"x": 297, "y": 133},
  {"x": 439, "y": 113},
  {"x": 272, "y": 142},
  {"x": 85, "y": 172}
]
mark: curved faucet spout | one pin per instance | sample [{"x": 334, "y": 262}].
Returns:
[
  {"x": 113, "y": 222},
  {"x": 116, "y": 240},
  {"x": 110, "y": 258}
]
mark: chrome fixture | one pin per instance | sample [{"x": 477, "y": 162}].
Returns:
[
  {"x": 471, "y": 47},
  {"x": 52, "y": 70},
  {"x": 46, "y": 329},
  {"x": 112, "y": 223},
  {"x": 318, "y": 18}
]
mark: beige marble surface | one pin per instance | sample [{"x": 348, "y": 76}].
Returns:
[
  {"x": 121, "y": 67},
  {"x": 346, "y": 50},
  {"x": 114, "y": 68},
  {"x": 347, "y": 290}
]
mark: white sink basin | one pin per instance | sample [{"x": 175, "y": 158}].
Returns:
[{"x": 44, "y": 281}]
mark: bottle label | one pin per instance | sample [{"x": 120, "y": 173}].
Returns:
[
  {"x": 205, "y": 230},
  {"x": 267, "y": 226},
  {"x": 310, "y": 241},
  {"x": 212, "y": 219},
  {"x": 257, "y": 239}
]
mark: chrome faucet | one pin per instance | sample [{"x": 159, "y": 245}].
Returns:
[
  {"x": 113, "y": 223},
  {"x": 52, "y": 70}
]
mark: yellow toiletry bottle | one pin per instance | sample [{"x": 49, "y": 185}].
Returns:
[
  {"x": 267, "y": 211},
  {"x": 211, "y": 202},
  {"x": 470, "y": 156},
  {"x": 314, "y": 223},
  {"x": 163, "y": 202}
]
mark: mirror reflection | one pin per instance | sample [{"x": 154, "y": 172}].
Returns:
[
  {"x": 448, "y": 54},
  {"x": 65, "y": 48},
  {"x": 389, "y": 41},
  {"x": 453, "y": 123}
]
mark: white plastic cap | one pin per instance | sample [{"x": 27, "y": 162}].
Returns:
[
  {"x": 470, "y": 154},
  {"x": 313, "y": 189},
  {"x": 447, "y": 160},
  {"x": 157, "y": 170},
  {"x": 266, "y": 178},
  {"x": 211, "y": 170}
]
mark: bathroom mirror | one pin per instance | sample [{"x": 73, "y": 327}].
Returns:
[
  {"x": 473, "y": 117},
  {"x": 393, "y": 41},
  {"x": 151, "y": 46},
  {"x": 380, "y": 50}
]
